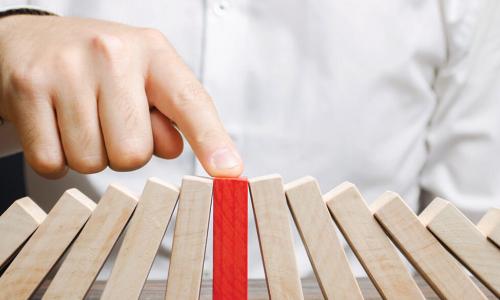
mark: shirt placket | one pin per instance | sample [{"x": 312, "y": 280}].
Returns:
[{"x": 219, "y": 26}]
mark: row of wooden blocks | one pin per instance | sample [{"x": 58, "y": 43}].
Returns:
[{"x": 437, "y": 242}]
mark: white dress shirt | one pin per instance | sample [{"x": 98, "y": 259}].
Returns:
[{"x": 400, "y": 95}]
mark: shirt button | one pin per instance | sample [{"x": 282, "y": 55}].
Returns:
[{"x": 220, "y": 8}]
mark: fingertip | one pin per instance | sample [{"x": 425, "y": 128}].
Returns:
[
  {"x": 228, "y": 173},
  {"x": 171, "y": 151},
  {"x": 225, "y": 162}
]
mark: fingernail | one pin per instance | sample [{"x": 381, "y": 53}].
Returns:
[{"x": 224, "y": 159}]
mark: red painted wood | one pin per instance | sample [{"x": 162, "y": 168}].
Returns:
[{"x": 230, "y": 239}]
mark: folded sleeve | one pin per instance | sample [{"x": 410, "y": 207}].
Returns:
[{"x": 463, "y": 137}]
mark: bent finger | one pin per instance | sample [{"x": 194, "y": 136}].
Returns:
[
  {"x": 35, "y": 122},
  {"x": 167, "y": 140},
  {"x": 126, "y": 124},
  {"x": 81, "y": 137}
]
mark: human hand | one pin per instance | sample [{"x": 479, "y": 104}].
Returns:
[{"x": 87, "y": 94}]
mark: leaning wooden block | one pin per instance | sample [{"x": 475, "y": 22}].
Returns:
[
  {"x": 46, "y": 246},
  {"x": 142, "y": 240},
  {"x": 423, "y": 250},
  {"x": 230, "y": 239},
  {"x": 318, "y": 233},
  {"x": 190, "y": 237},
  {"x": 275, "y": 237},
  {"x": 489, "y": 225},
  {"x": 17, "y": 224},
  {"x": 368, "y": 241},
  {"x": 465, "y": 241},
  {"x": 90, "y": 250}
]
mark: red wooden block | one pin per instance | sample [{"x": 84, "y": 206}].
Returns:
[{"x": 230, "y": 239}]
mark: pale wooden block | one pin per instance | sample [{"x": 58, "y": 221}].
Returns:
[
  {"x": 318, "y": 232},
  {"x": 369, "y": 243},
  {"x": 423, "y": 250},
  {"x": 90, "y": 250},
  {"x": 142, "y": 240},
  {"x": 275, "y": 237},
  {"x": 489, "y": 225},
  {"x": 17, "y": 224},
  {"x": 465, "y": 241},
  {"x": 46, "y": 245},
  {"x": 190, "y": 237}
]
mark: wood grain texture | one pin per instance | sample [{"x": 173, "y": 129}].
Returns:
[
  {"x": 489, "y": 225},
  {"x": 369, "y": 243},
  {"x": 230, "y": 239},
  {"x": 257, "y": 290},
  {"x": 275, "y": 237},
  {"x": 46, "y": 245},
  {"x": 465, "y": 241},
  {"x": 90, "y": 250},
  {"x": 17, "y": 224},
  {"x": 190, "y": 237},
  {"x": 142, "y": 240},
  {"x": 423, "y": 250},
  {"x": 318, "y": 232}
]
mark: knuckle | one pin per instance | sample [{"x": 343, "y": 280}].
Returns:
[
  {"x": 111, "y": 47},
  {"x": 130, "y": 113},
  {"x": 83, "y": 155},
  {"x": 84, "y": 150},
  {"x": 81, "y": 115},
  {"x": 191, "y": 94},
  {"x": 154, "y": 36},
  {"x": 28, "y": 80}
]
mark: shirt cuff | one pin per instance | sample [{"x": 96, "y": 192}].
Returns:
[{"x": 24, "y": 10}]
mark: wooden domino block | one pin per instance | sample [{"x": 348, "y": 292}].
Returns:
[
  {"x": 17, "y": 224},
  {"x": 489, "y": 225},
  {"x": 190, "y": 236},
  {"x": 423, "y": 250},
  {"x": 465, "y": 241},
  {"x": 370, "y": 244},
  {"x": 142, "y": 240},
  {"x": 230, "y": 239},
  {"x": 46, "y": 245},
  {"x": 275, "y": 237},
  {"x": 90, "y": 250},
  {"x": 318, "y": 232}
]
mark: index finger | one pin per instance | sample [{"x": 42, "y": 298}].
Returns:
[{"x": 174, "y": 90}]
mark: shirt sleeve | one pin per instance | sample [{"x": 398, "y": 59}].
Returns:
[{"x": 463, "y": 136}]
